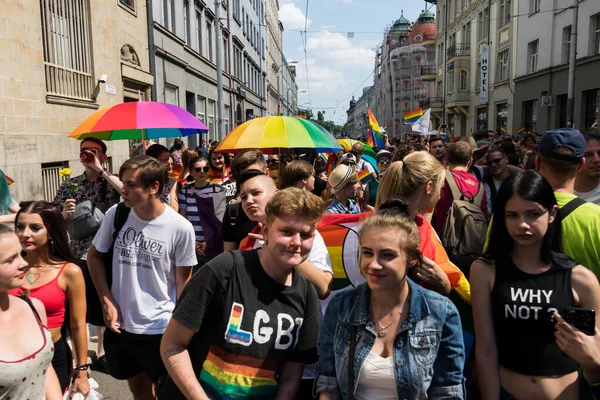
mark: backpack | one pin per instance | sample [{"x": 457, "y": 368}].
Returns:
[
  {"x": 465, "y": 227},
  {"x": 94, "y": 308}
]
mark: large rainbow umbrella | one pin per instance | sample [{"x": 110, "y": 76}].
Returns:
[
  {"x": 278, "y": 134},
  {"x": 138, "y": 121}
]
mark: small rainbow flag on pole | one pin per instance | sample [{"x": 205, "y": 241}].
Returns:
[
  {"x": 375, "y": 139},
  {"x": 365, "y": 176},
  {"x": 9, "y": 180},
  {"x": 503, "y": 130},
  {"x": 413, "y": 116},
  {"x": 521, "y": 130}
]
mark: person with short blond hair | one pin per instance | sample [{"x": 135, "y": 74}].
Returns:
[{"x": 249, "y": 316}]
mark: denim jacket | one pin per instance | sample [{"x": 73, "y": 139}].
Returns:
[{"x": 428, "y": 350}]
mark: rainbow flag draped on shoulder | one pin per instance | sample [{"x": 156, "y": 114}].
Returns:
[
  {"x": 375, "y": 139},
  {"x": 340, "y": 233}
]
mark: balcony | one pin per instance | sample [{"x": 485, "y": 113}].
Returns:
[
  {"x": 433, "y": 103},
  {"x": 458, "y": 50},
  {"x": 428, "y": 73}
]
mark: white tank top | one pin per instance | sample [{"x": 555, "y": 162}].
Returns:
[{"x": 376, "y": 379}]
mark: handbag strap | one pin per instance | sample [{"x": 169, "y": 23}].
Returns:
[{"x": 352, "y": 351}]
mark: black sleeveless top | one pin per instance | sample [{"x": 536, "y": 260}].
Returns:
[{"x": 522, "y": 310}]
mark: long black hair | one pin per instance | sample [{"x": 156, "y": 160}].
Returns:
[
  {"x": 531, "y": 186},
  {"x": 55, "y": 225}
]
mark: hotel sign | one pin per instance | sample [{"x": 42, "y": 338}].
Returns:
[{"x": 485, "y": 70}]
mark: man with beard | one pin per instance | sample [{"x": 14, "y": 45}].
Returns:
[
  {"x": 497, "y": 162},
  {"x": 437, "y": 148},
  {"x": 587, "y": 183}
]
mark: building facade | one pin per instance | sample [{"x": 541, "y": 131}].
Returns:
[
  {"x": 274, "y": 64},
  {"x": 61, "y": 61},
  {"x": 289, "y": 90},
  {"x": 357, "y": 124},
  {"x": 542, "y": 66},
  {"x": 404, "y": 74},
  {"x": 464, "y": 28}
]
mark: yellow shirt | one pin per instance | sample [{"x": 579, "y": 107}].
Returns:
[{"x": 580, "y": 233}]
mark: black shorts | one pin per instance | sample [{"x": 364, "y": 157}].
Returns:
[{"x": 128, "y": 354}]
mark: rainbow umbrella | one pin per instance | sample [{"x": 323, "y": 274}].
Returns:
[
  {"x": 347, "y": 145},
  {"x": 279, "y": 134},
  {"x": 139, "y": 121}
]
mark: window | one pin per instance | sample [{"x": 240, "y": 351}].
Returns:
[
  {"x": 171, "y": 18},
  {"x": 201, "y": 107},
  {"x": 484, "y": 21},
  {"x": 171, "y": 94},
  {"x": 595, "y": 27},
  {"x": 466, "y": 33},
  {"x": 450, "y": 83},
  {"x": 225, "y": 55},
  {"x": 236, "y": 9},
  {"x": 464, "y": 81},
  {"x": 561, "y": 105},
  {"x": 501, "y": 117},
  {"x": 502, "y": 66},
  {"x": 504, "y": 11},
  {"x": 211, "y": 119},
  {"x": 243, "y": 21},
  {"x": 534, "y": 6},
  {"x": 67, "y": 49},
  {"x": 532, "y": 56},
  {"x": 209, "y": 40},
  {"x": 440, "y": 54},
  {"x": 566, "y": 40},
  {"x": 226, "y": 120},
  {"x": 530, "y": 110},
  {"x": 199, "y": 31},
  {"x": 186, "y": 22},
  {"x": 481, "y": 115},
  {"x": 592, "y": 109},
  {"x": 128, "y": 3}
]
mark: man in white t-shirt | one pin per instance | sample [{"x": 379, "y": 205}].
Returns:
[
  {"x": 587, "y": 183},
  {"x": 153, "y": 255}
]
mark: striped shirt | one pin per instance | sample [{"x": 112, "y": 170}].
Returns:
[{"x": 187, "y": 203}]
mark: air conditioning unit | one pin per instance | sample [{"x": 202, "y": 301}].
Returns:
[{"x": 547, "y": 101}]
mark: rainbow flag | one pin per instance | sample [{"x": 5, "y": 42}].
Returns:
[
  {"x": 9, "y": 180},
  {"x": 375, "y": 138},
  {"x": 503, "y": 130},
  {"x": 365, "y": 176},
  {"x": 521, "y": 130},
  {"x": 302, "y": 116},
  {"x": 340, "y": 233},
  {"x": 413, "y": 116}
]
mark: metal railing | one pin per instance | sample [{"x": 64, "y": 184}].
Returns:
[
  {"x": 458, "y": 50},
  {"x": 51, "y": 181},
  {"x": 428, "y": 70},
  {"x": 432, "y": 102}
]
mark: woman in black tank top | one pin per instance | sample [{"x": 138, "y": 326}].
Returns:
[{"x": 517, "y": 286}]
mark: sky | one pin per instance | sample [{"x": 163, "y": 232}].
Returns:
[{"x": 335, "y": 66}]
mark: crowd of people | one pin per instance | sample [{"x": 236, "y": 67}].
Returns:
[{"x": 206, "y": 276}]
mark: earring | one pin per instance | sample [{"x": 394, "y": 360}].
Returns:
[{"x": 51, "y": 244}]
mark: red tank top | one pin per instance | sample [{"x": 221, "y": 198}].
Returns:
[{"x": 53, "y": 298}]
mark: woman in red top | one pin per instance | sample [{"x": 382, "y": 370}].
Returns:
[{"x": 55, "y": 280}]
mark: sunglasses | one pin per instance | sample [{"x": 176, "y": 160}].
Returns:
[
  {"x": 356, "y": 153},
  {"x": 200, "y": 169},
  {"x": 384, "y": 162},
  {"x": 348, "y": 163},
  {"x": 495, "y": 161},
  {"x": 272, "y": 162}
]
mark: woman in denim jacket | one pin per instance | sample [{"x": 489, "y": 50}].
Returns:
[{"x": 400, "y": 341}]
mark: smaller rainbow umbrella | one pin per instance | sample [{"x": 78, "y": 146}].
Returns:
[
  {"x": 138, "y": 121},
  {"x": 279, "y": 134}
]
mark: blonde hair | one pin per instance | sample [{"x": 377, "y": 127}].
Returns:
[
  {"x": 295, "y": 202},
  {"x": 404, "y": 178},
  {"x": 393, "y": 219},
  {"x": 295, "y": 172}
]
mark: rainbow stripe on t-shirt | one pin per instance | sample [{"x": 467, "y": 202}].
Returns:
[{"x": 231, "y": 376}]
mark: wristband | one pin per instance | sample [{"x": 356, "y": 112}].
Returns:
[{"x": 83, "y": 367}]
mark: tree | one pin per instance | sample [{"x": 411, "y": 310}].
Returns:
[{"x": 307, "y": 111}]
